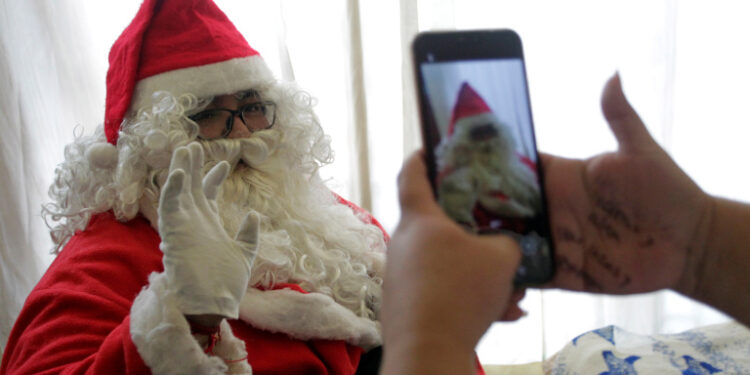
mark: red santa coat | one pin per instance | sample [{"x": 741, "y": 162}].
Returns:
[{"x": 77, "y": 320}]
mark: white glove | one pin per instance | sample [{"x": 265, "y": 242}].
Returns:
[{"x": 207, "y": 270}]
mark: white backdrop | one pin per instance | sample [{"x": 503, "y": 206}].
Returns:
[{"x": 683, "y": 64}]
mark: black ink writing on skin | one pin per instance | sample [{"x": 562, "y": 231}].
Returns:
[
  {"x": 604, "y": 226},
  {"x": 564, "y": 265},
  {"x": 566, "y": 235},
  {"x": 615, "y": 213},
  {"x": 611, "y": 268},
  {"x": 602, "y": 260},
  {"x": 625, "y": 281},
  {"x": 590, "y": 284},
  {"x": 648, "y": 242}
]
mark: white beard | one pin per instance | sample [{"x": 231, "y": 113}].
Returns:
[
  {"x": 474, "y": 171},
  {"x": 306, "y": 236}
]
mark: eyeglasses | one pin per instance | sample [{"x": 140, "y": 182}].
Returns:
[{"x": 217, "y": 123}]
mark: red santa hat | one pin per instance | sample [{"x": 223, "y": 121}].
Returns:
[
  {"x": 468, "y": 104},
  {"x": 178, "y": 46}
]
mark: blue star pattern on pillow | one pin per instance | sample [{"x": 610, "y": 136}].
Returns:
[
  {"x": 717, "y": 349},
  {"x": 619, "y": 366},
  {"x": 696, "y": 367},
  {"x": 607, "y": 333}
]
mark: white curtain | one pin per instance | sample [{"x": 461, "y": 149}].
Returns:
[
  {"x": 46, "y": 90},
  {"x": 683, "y": 66}
]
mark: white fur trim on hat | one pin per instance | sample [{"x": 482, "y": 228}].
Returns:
[
  {"x": 307, "y": 316},
  {"x": 162, "y": 336},
  {"x": 226, "y": 77}
]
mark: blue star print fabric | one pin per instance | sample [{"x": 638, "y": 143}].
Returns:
[{"x": 717, "y": 349}]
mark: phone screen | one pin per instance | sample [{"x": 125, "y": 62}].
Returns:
[{"x": 479, "y": 139}]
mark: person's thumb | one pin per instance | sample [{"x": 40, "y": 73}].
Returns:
[
  {"x": 629, "y": 130},
  {"x": 414, "y": 191}
]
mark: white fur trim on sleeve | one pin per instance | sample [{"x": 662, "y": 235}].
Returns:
[
  {"x": 307, "y": 316},
  {"x": 162, "y": 336}
]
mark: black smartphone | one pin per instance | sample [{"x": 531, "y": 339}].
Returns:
[{"x": 479, "y": 140}]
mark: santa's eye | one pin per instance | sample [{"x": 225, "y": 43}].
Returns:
[
  {"x": 254, "y": 108},
  {"x": 483, "y": 131},
  {"x": 205, "y": 115}
]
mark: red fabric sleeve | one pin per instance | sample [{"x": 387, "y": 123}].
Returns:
[
  {"x": 76, "y": 320},
  {"x": 364, "y": 215}
]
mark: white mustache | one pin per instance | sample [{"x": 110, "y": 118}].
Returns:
[{"x": 252, "y": 151}]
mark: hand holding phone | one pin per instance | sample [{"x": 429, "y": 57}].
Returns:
[{"x": 479, "y": 140}]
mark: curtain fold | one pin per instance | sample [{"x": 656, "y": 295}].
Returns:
[
  {"x": 38, "y": 76},
  {"x": 358, "y": 104},
  {"x": 409, "y": 29},
  {"x": 19, "y": 267}
]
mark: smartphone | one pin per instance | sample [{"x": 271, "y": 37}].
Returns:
[{"x": 479, "y": 140}]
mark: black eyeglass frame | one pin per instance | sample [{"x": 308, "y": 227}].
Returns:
[{"x": 239, "y": 111}]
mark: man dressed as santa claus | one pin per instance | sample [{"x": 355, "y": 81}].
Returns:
[
  {"x": 483, "y": 181},
  {"x": 193, "y": 232}
]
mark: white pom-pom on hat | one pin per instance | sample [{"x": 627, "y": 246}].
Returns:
[{"x": 102, "y": 155}]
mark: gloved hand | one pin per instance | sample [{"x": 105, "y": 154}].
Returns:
[{"x": 207, "y": 270}]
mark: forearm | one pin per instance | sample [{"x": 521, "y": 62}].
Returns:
[
  {"x": 723, "y": 274},
  {"x": 427, "y": 356}
]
